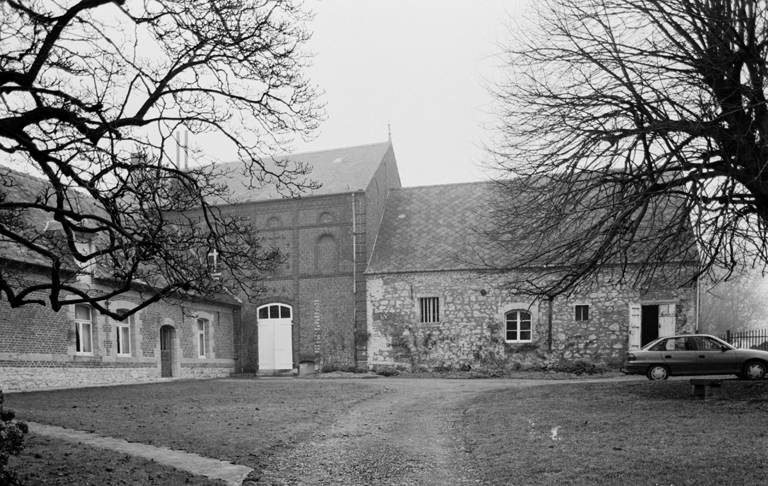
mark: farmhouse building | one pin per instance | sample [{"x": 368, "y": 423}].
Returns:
[
  {"x": 78, "y": 346},
  {"x": 374, "y": 275}
]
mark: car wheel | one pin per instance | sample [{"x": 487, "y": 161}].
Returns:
[
  {"x": 657, "y": 372},
  {"x": 754, "y": 370}
]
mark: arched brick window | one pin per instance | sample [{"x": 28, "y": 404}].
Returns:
[
  {"x": 325, "y": 217},
  {"x": 326, "y": 254},
  {"x": 274, "y": 222}
]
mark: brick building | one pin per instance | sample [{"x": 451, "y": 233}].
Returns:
[
  {"x": 77, "y": 346},
  {"x": 375, "y": 274},
  {"x": 431, "y": 306},
  {"x": 314, "y": 310}
]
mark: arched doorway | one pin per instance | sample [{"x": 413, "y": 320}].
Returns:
[
  {"x": 275, "y": 337},
  {"x": 167, "y": 350}
]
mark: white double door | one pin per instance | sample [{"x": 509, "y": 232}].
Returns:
[{"x": 275, "y": 338}]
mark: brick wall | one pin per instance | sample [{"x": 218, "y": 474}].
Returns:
[
  {"x": 317, "y": 281},
  {"x": 37, "y": 345},
  {"x": 470, "y": 332}
]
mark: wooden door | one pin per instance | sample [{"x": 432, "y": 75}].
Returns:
[
  {"x": 283, "y": 344},
  {"x": 666, "y": 320},
  {"x": 275, "y": 337},
  {"x": 266, "y": 344},
  {"x": 166, "y": 351},
  {"x": 634, "y": 326}
]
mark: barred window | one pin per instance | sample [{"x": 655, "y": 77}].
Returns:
[
  {"x": 430, "y": 309},
  {"x": 582, "y": 312}
]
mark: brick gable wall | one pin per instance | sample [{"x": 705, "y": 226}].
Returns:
[{"x": 317, "y": 285}]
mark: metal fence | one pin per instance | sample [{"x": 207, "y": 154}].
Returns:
[{"x": 753, "y": 339}]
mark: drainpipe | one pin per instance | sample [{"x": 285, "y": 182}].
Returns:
[
  {"x": 354, "y": 248},
  {"x": 239, "y": 315},
  {"x": 698, "y": 302},
  {"x": 549, "y": 321}
]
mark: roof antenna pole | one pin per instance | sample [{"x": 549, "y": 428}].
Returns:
[{"x": 389, "y": 130}]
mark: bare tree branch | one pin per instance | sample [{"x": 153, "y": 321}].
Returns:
[
  {"x": 92, "y": 94},
  {"x": 632, "y": 135}
]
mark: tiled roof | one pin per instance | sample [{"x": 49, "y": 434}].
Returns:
[
  {"x": 432, "y": 228},
  {"x": 338, "y": 171},
  {"x": 20, "y": 187},
  {"x": 445, "y": 227},
  {"x": 25, "y": 188}
]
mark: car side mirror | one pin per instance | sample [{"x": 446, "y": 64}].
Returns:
[{"x": 724, "y": 348}]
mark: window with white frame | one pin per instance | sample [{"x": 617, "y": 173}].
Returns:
[
  {"x": 84, "y": 246},
  {"x": 83, "y": 330},
  {"x": 123, "y": 331},
  {"x": 518, "y": 327},
  {"x": 214, "y": 263},
  {"x": 429, "y": 309},
  {"x": 582, "y": 312},
  {"x": 202, "y": 337}
]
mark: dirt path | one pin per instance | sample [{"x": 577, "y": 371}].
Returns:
[{"x": 407, "y": 435}]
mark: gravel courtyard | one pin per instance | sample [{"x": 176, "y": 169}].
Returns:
[{"x": 408, "y": 431}]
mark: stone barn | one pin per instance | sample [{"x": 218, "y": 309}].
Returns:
[{"x": 431, "y": 306}]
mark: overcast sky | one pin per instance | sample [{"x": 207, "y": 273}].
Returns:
[{"x": 419, "y": 66}]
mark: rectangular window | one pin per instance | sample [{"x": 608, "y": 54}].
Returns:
[
  {"x": 123, "y": 329},
  {"x": 202, "y": 325},
  {"x": 430, "y": 309},
  {"x": 83, "y": 330},
  {"x": 518, "y": 327},
  {"x": 214, "y": 265},
  {"x": 84, "y": 246},
  {"x": 582, "y": 312}
]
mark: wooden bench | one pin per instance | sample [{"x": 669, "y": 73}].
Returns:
[{"x": 703, "y": 388}]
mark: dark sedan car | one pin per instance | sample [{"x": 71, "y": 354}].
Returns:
[{"x": 696, "y": 354}]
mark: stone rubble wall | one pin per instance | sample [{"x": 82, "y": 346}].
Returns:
[
  {"x": 470, "y": 334},
  {"x": 29, "y": 378}
]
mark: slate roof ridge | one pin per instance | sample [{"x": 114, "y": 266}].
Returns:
[
  {"x": 38, "y": 178},
  {"x": 338, "y": 171},
  {"x": 310, "y": 152},
  {"x": 378, "y": 225},
  {"x": 446, "y": 184}
]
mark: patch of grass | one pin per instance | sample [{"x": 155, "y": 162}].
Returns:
[
  {"x": 242, "y": 421},
  {"x": 619, "y": 433},
  {"x": 54, "y": 461}
]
